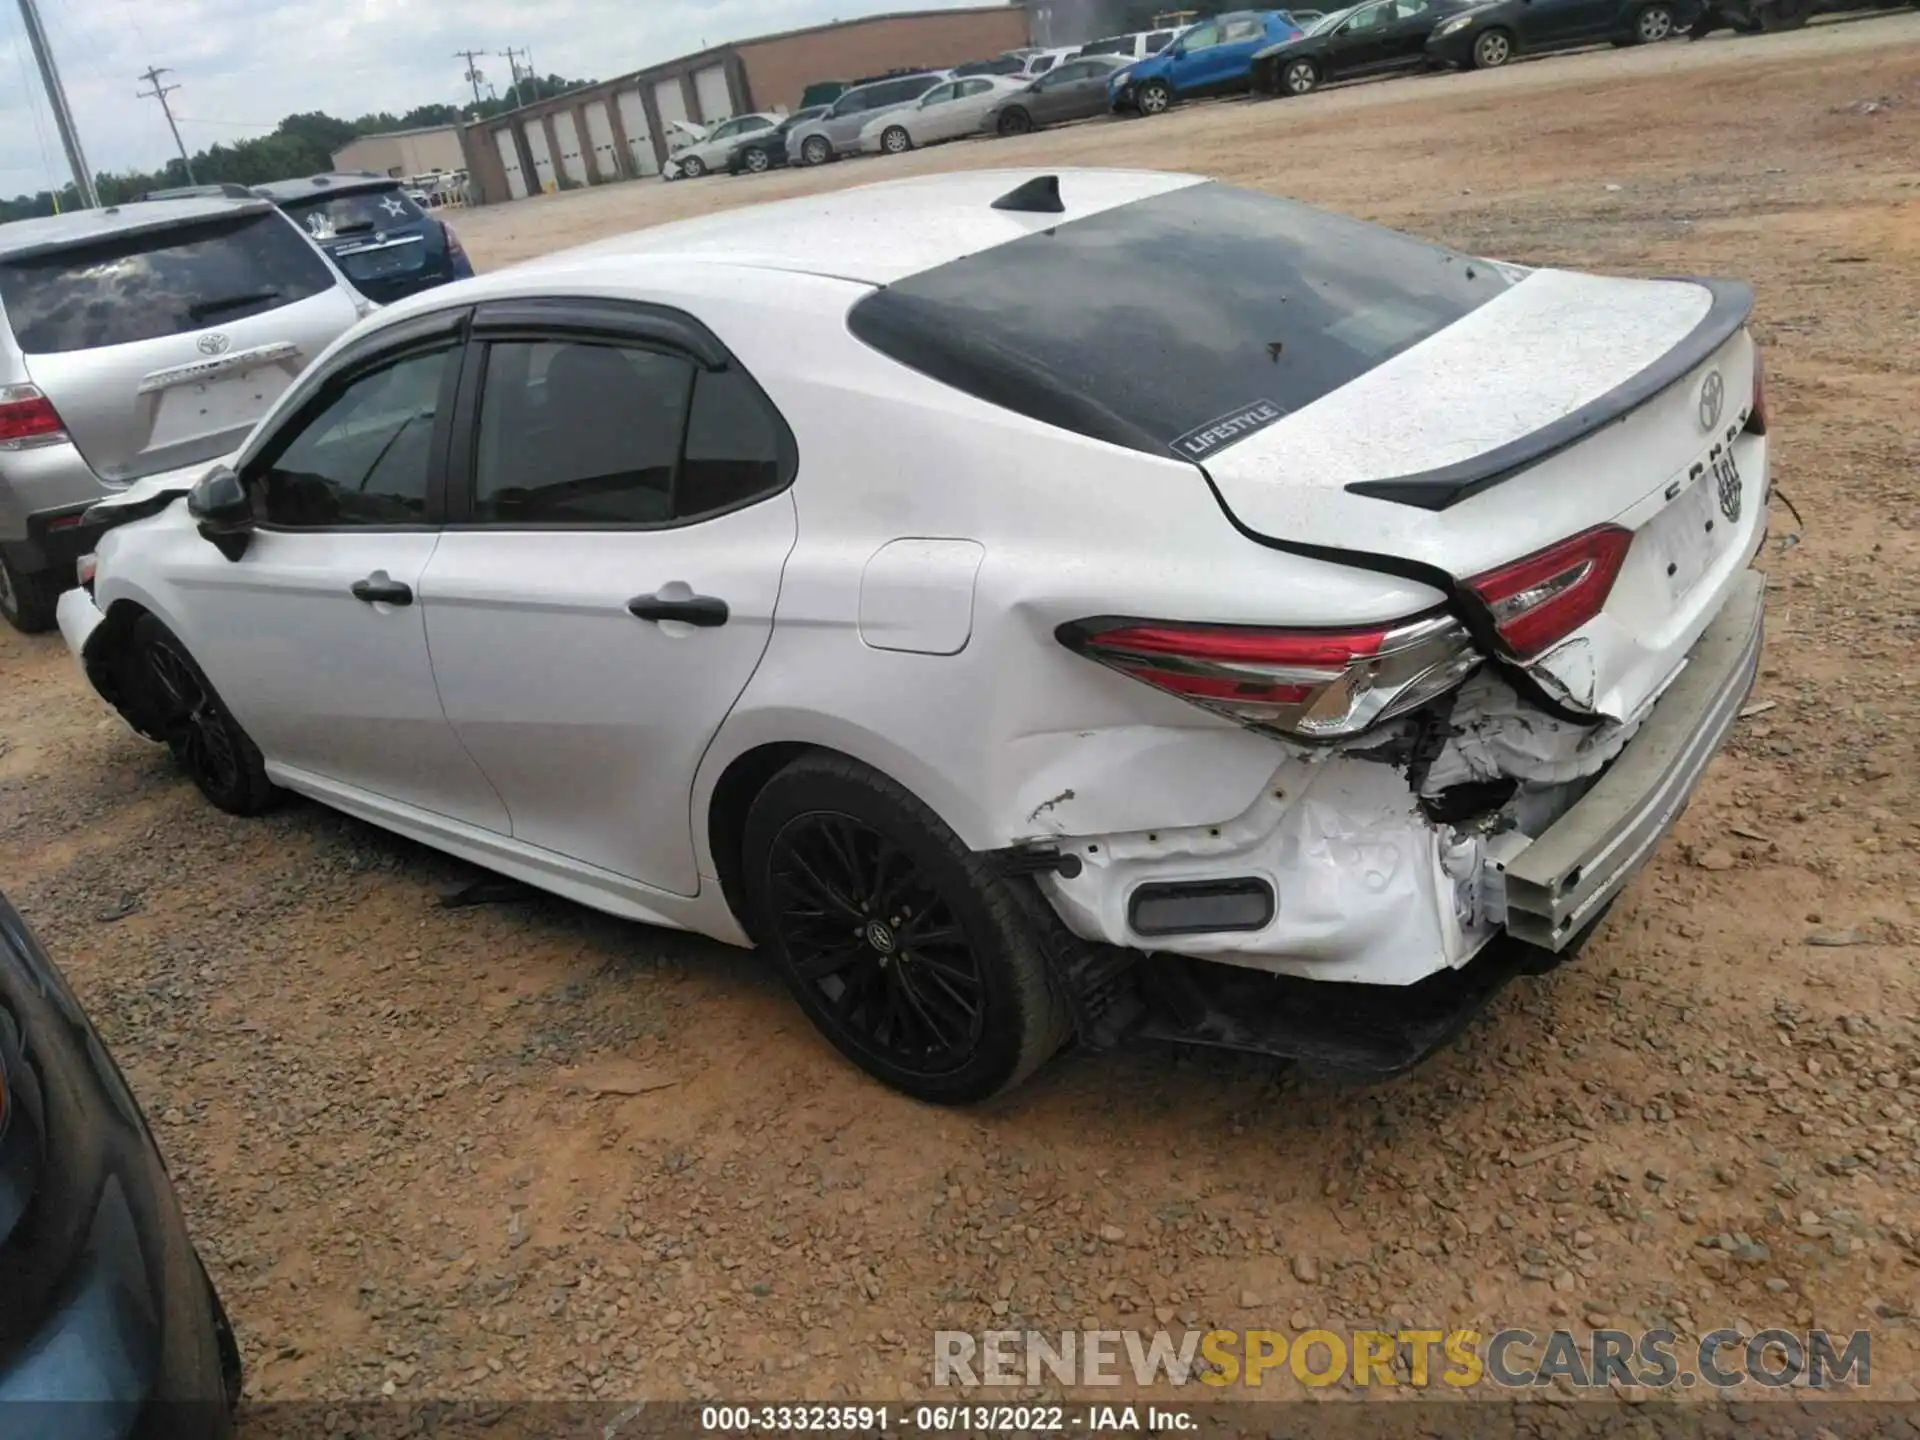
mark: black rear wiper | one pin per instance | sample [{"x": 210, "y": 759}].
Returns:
[
  {"x": 202, "y": 308},
  {"x": 353, "y": 227}
]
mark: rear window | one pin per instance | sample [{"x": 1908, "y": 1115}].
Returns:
[
  {"x": 158, "y": 283},
  {"x": 360, "y": 213},
  {"x": 1164, "y": 320},
  {"x": 1119, "y": 46}
]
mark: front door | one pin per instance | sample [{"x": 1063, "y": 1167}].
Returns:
[
  {"x": 609, "y": 589},
  {"x": 315, "y": 636}
]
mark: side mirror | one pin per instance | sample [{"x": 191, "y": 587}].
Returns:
[{"x": 218, "y": 502}]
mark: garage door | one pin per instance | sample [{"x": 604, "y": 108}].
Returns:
[
  {"x": 633, "y": 119},
  {"x": 600, "y": 140},
  {"x": 536, "y": 134},
  {"x": 668, "y": 103},
  {"x": 510, "y": 161},
  {"x": 710, "y": 85},
  {"x": 573, "y": 164}
]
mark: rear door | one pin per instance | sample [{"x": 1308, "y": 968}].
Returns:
[
  {"x": 971, "y": 100},
  {"x": 161, "y": 348},
  {"x": 606, "y": 586}
]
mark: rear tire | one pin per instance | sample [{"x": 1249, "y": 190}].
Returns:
[
  {"x": 189, "y": 714},
  {"x": 1492, "y": 49},
  {"x": 910, "y": 954},
  {"x": 28, "y": 597},
  {"x": 895, "y": 140},
  {"x": 1155, "y": 98}
]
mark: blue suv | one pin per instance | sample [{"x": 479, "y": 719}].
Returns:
[
  {"x": 385, "y": 244},
  {"x": 1214, "y": 57}
]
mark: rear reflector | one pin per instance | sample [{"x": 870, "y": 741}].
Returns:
[
  {"x": 1546, "y": 596},
  {"x": 1311, "y": 684},
  {"x": 1199, "y": 907},
  {"x": 28, "y": 419}
]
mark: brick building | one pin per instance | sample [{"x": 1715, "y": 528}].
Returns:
[{"x": 619, "y": 129}]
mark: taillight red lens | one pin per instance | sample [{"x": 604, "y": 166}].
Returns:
[
  {"x": 1546, "y": 596},
  {"x": 1316, "y": 684},
  {"x": 27, "y": 418},
  {"x": 1757, "y": 416},
  {"x": 454, "y": 247}
]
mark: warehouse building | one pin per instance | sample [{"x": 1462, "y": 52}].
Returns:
[
  {"x": 404, "y": 153},
  {"x": 620, "y": 129}
]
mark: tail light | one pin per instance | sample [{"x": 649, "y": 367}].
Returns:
[
  {"x": 1757, "y": 414},
  {"x": 1310, "y": 684},
  {"x": 455, "y": 251},
  {"x": 84, "y": 569},
  {"x": 1546, "y": 596},
  {"x": 28, "y": 419}
]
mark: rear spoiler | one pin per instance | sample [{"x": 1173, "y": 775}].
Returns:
[{"x": 141, "y": 227}]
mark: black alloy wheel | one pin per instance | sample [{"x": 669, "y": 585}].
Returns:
[
  {"x": 911, "y": 954},
  {"x": 205, "y": 739}
]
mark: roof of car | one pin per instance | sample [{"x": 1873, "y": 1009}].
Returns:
[
  {"x": 309, "y": 186},
  {"x": 876, "y": 234},
  {"x": 77, "y": 227}
]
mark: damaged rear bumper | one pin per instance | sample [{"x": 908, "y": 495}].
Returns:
[{"x": 1557, "y": 883}]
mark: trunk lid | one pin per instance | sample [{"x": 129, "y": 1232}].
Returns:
[
  {"x": 161, "y": 347},
  {"x": 1566, "y": 402}
]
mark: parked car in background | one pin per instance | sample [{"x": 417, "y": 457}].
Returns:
[
  {"x": 1214, "y": 57},
  {"x": 837, "y": 132},
  {"x": 1073, "y": 91},
  {"x": 135, "y": 340},
  {"x": 951, "y": 110},
  {"x": 387, "y": 245},
  {"x": 1136, "y": 46},
  {"x": 1371, "y": 39},
  {"x": 701, "y": 150},
  {"x": 1487, "y": 36},
  {"x": 1041, "y": 61},
  {"x": 765, "y": 150},
  {"x": 1007, "y": 64},
  {"x": 109, "y": 1326}
]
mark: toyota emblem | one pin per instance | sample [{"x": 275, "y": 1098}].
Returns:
[
  {"x": 214, "y": 343},
  {"x": 1713, "y": 395}
]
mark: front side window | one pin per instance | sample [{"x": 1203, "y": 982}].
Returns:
[
  {"x": 589, "y": 433},
  {"x": 1235, "y": 31},
  {"x": 157, "y": 283},
  {"x": 853, "y": 102},
  {"x": 364, "y": 458}
]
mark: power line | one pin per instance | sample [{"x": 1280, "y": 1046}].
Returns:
[
  {"x": 160, "y": 92},
  {"x": 474, "y": 77}
]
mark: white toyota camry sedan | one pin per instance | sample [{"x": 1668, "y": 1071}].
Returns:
[{"x": 1029, "y": 606}]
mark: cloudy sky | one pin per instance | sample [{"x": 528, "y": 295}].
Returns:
[{"x": 242, "y": 64}]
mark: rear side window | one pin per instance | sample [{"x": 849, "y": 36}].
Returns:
[
  {"x": 583, "y": 433},
  {"x": 899, "y": 92},
  {"x": 158, "y": 283},
  {"x": 360, "y": 213},
  {"x": 1167, "y": 319}
]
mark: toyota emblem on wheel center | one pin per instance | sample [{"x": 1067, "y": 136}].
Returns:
[
  {"x": 1713, "y": 394},
  {"x": 212, "y": 343}
]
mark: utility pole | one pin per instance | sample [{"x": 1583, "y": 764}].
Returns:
[
  {"x": 474, "y": 77},
  {"x": 57, "y": 100},
  {"x": 160, "y": 92},
  {"x": 508, "y": 55}
]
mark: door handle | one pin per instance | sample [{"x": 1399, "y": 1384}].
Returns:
[
  {"x": 376, "y": 589},
  {"x": 702, "y": 610}
]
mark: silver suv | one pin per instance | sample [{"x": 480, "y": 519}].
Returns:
[{"x": 134, "y": 340}]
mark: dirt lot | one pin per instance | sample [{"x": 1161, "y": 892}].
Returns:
[{"x": 526, "y": 1150}]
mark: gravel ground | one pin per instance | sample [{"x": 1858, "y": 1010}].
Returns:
[{"x": 525, "y": 1150}]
